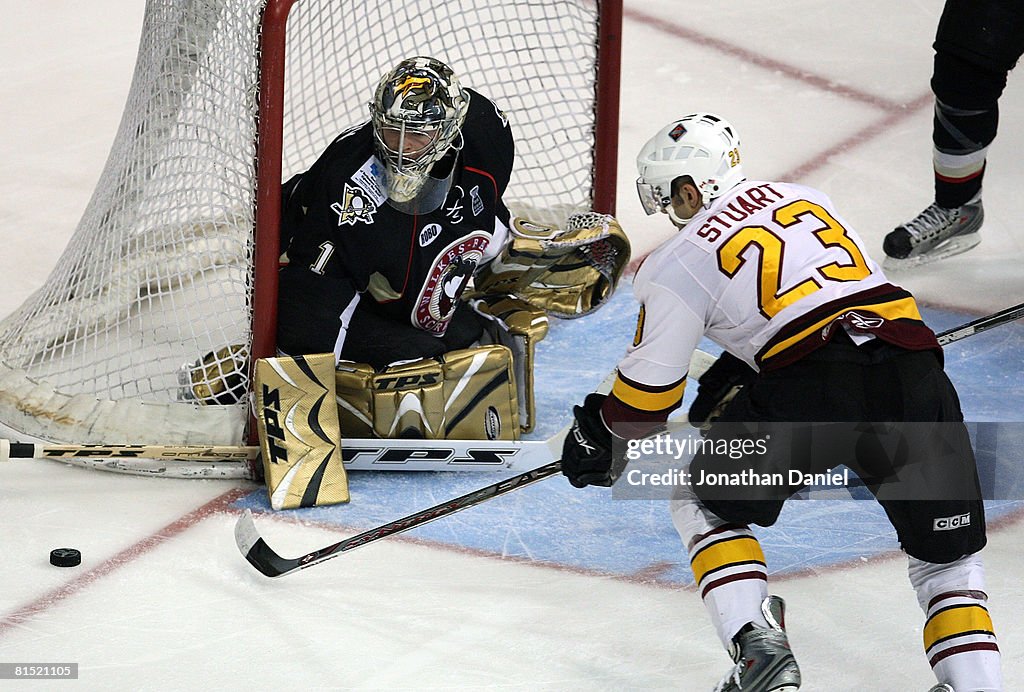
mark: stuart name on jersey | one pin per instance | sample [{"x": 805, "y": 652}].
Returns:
[
  {"x": 759, "y": 258},
  {"x": 749, "y": 201}
]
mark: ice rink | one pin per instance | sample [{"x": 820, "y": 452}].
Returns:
[{"x": 548, "y": 588}]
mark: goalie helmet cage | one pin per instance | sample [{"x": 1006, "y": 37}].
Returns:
[{"x": 176, "y": 254}]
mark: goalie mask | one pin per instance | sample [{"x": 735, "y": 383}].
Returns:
[
  {"x": 417, "y": 112},
  {"x": 702, "y": 146}
]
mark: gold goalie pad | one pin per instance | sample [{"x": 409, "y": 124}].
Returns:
[
  {"x": 468, "y": 394},
  {"x": 568, "y": 272},
  {"x": 519, "y": 326},
  {"x": 300, "y": 439}
]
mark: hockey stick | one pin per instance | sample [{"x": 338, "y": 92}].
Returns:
[
  {"x": 222, "y": 469},
  {"x": 981, "y": 324},
  {"x": 265, "y": 559},
  {"x": 243, "y": 462},
  {"x": 185, "y": 461}
]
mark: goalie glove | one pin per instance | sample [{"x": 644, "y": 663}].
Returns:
[
  {"x": 587, "y": 457},
  {"x": 717, "y": 387},
  {"x": 567, "y": 272},
  {"x": 220, "y": 377}
]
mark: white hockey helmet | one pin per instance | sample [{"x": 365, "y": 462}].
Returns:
[
  {"x": 702, "y": 146},
  {"x": 422, "y": 98}
]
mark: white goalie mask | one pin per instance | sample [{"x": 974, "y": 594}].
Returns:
[
  {"x": 417, "y": 113},
  {"x": 702, "y": 146}
]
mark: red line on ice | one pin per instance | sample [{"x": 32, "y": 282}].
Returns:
[{"x": 121, "y": 559}]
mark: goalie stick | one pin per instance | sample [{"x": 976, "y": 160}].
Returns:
[
  {"x": 266, "y": 560},
  {"x": 242, "y": 462},
  {"x": 194, "y": 462}
]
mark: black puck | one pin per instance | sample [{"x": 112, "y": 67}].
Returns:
[{"x": 65, "y": 557}]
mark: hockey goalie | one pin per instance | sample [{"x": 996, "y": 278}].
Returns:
[{"x": 404, "y": 264}]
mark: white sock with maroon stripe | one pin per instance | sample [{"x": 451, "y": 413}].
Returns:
[
  {"x": 728, "y": 566},
  {"x": 959, "y": 639}
]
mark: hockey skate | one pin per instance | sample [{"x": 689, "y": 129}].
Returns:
[
  {"x": 934, "y": 234},
  {"x": 941, "y": 687},
  {"x": 764, "y": 661}
]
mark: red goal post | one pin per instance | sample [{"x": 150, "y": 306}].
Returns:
[{"x": 176, "y": 255}]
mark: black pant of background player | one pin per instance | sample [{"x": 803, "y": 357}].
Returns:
[
  {"x": 890, "y": 415},
  {"x": 977, "y": 43}
]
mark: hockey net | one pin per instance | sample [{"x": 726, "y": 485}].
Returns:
[{"x": 175, "y": 256}]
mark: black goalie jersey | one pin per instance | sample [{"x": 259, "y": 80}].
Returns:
[{"x": 358, "y": 267}]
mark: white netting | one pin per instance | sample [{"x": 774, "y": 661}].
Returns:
[{"x": 159, "y": 271}]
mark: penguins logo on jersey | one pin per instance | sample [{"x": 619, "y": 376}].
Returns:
[
  {"x": 355, "y": 206},
  {"x": 446, "y": 280}
]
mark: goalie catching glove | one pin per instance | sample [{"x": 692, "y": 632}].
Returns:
[
  {"x": 567, "y": 272},
  {"x": 587, "y": 456},
  {"x": 218, "y": 378}
]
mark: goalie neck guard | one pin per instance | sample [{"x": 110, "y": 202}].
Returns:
[{"x": 417, "y": 112}]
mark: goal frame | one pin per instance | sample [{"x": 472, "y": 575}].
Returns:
[
  {"x": 269, "y": 150},
  {"x": 166, "y": 293}
]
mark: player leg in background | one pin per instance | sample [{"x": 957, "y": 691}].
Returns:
[{"x": 977, "y": 43}]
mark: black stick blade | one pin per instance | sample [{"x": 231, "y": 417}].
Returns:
[{"x": 257, "y": 552}]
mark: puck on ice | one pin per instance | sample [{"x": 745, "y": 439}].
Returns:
[{"x": 65, "y": 557}]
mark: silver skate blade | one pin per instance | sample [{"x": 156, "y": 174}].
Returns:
[{"x": 954, "y": 246}]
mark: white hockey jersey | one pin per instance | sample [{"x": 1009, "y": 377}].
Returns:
[{"x": 767, "y": 272}]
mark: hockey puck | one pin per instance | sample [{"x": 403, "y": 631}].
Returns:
[{"x": 65, "y": 557}]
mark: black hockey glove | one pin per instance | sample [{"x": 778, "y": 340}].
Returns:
[
  {"x": 717, "y": 387},
  {"x": 587, "y": 451}
]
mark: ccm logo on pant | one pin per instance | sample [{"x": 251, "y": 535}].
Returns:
[{"x": 950, "y": 523}]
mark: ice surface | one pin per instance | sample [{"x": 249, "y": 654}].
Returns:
[{"x": 548, "y": 587}]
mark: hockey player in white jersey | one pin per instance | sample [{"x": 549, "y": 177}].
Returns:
[{"x": 810, "y": 324}]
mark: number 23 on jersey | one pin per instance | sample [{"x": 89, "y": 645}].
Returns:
[{"x": 770, "y": 252}]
